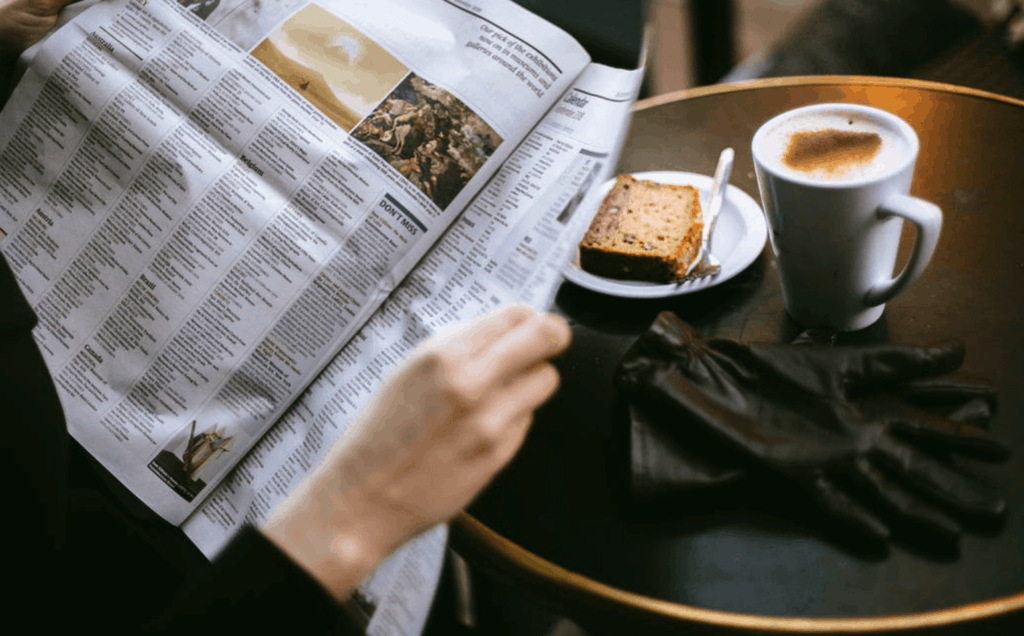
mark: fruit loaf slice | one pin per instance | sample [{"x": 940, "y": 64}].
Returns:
[{"x": 644, "y": 230}]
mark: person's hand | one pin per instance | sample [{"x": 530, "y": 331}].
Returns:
[
  {"x": 440, "y": 427},
  {"x": 25, "y": 22},
  {"x": 812, "y": 415}
]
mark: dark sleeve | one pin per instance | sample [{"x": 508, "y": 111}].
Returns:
[
  {"x": 76, "y": 562},
  {"x": 33, "y": 453},
  {"x": 253, "y": 586}
]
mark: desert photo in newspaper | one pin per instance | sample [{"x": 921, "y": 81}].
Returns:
[
  {"x": 335, "y": 67},
  {"x": 431, "y": 137}
]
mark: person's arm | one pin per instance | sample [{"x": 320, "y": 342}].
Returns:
[{"x": 441, "y": 426}]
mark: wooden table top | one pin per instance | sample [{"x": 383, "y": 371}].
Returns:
[{"x": 558, "y": 523}]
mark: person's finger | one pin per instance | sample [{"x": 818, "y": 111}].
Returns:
[
  {"x": 505, "y": 420},
  {"x": 865, "y": 368},
  {"x": 533, "y": 341},
  {"x": 521, "y": 396},
  {"x": 902, "y": 504},
  {"x": 937, "y": 480},
  {"x": 474, "y": 337},
  {"x": 519, "y": 427}
]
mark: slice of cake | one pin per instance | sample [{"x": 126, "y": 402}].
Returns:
[{"x": 644, "y": 230}]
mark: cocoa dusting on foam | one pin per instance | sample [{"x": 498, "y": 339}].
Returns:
[{"x": 831, "y": 151}]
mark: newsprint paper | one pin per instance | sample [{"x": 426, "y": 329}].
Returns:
[{"x": 235, "y": 217}]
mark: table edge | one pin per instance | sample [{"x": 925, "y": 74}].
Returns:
[
  {"x": 818, "y": 80},
  {"x": 490, "y": 551}
]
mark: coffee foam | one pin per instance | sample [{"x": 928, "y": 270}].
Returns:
[{"x": 833, "y": 146}]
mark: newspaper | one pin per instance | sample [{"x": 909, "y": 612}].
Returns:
[{"x": 232, "y": 231}]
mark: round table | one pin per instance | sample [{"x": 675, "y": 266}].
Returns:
[{"x": 558, "y": 522}]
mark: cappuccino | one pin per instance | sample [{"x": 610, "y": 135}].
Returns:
[
  {"x": 835, "y": 186},
  {"x": 839, "y": 145}
]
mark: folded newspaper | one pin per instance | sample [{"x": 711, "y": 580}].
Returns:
[{"x": 235, "y": 217}]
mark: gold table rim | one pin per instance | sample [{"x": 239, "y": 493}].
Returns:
[
  {"x": 499, "y": 551},
  {"x": 819, "y": 80},
  {"x": 556, "y": 580}
]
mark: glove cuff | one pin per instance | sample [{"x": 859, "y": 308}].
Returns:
[{"x": 667, "y": 339}]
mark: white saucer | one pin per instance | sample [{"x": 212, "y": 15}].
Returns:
[{"x": 737, "y": 240}]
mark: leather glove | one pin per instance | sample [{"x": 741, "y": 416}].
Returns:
[{"x": 840, "y": 423}]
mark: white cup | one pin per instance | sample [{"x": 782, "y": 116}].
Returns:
[{"x": 835, "y": 203}]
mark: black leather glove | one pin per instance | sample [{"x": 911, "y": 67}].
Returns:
[{"x": 833, "y": 421}]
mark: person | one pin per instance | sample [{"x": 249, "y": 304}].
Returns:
[{"x": 440, "y": 427}]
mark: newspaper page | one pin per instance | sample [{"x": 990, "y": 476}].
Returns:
[
  {"x": 200, "y": 229},
  {"x": 511, "y": 244}
]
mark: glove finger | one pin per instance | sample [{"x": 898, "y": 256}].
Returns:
[
  {"x": 902, "y": 504},
  {"x": 975, "y": 412},
  {"x": 957, "y": 437},
  {"x": 840, "y": 506},
  {"x": 948, "y": 392},
  {"x": 890, "y": 407},
  {"x": 878, "y": 366},
  {"x": 937, "y": 480}
]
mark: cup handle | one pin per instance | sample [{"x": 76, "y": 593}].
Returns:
[{"x": 928, "y": 219}]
